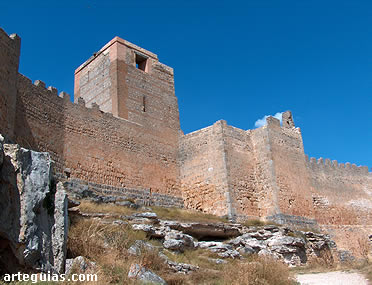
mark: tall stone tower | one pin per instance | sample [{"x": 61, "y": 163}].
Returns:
[{"x": 129, "y": 82}]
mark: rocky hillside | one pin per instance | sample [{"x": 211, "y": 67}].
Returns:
[{"x": 176, "y": 242}]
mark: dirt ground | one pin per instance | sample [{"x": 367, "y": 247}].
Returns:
[{"x": 332, "y": 278}]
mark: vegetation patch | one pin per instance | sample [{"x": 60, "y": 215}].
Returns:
[
  {"x": 91, "y": 207},
  {"x": 186, "y": 215}
]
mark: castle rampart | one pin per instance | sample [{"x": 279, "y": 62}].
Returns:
[
  {"x": 93, "y": 145},
  {"x": 9, "y": 61},
  {"x": 87, "y": 143},
  {"x": 122, "y": 134},
  {"x": 203, "y": 172}
]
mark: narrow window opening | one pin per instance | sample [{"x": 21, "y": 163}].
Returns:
[
  {"x": 144, "y": 103},
  {"x": 141, "y": 62}
]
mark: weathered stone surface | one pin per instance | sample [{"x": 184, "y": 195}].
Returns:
[
  {"x": 245, "y": 250},
  {"x": 202, "y": 230},
  {"x": 174, "y": 244},
  {"x": 1, "y": 152},
  {"x": 60, "y": 228},
  {"x": 178, "y": 267},
  {"x": 217, "y": 260},
  {"x": 33, "y": 213},
  {"x": 178, "y": 239},
  {"x": 138, "y": 246},
  {"x": 80, "y": 264},
  {"x": 127, "y": 204},
  {"x": 147, "y": 215},
  {"x": 143, "y": 274},
  {"x": 275, "y": 241},
  {"x": 286, "y": 240},
  {"x": 182, "y": 267},
  {"x": 222, "y": 249}
]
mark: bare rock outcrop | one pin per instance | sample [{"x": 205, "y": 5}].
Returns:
[
  {"x": 145, "y": 275},
  {"x": 293, "y": 247},
  {"x": 33, "y": 212}
]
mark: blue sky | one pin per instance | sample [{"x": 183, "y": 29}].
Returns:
[{"x": 233, "y": 60}]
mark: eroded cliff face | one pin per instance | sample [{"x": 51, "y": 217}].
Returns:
[{"x": 33, "y": 212}]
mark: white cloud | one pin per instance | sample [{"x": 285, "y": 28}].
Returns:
[{"x": 262, "y": 122}]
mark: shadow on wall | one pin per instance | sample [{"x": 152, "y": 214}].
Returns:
[
  {"x": 9, "y": 217},
  {"x": 40, "y": 124}
]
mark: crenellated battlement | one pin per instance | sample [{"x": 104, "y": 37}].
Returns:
[
  {"x": 328, "y": 164},
  {"x": 63, "y": 97}
]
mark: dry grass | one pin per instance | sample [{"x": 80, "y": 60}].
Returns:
[
  {"x": 199, "y": 257},
  {"x": 364, "y": 247},
  {"x": 107, "y": 245},
  {"x": 254, "y": 223},
  {"x": 258, "y": 223},
  {"x": 259, "y": 270},
  {"x": 91, "y": 207},
  {"x": 186, "y": 215},
  {"x": 255, "y": 271},
  {"x": 163, "y": 213},
  {"x": 90, "y": 238},
  {"x": 367, "y": 271}
]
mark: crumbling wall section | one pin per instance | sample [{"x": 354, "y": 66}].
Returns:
[{"x": 9, "y": 61}]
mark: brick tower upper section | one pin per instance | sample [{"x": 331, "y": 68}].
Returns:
[{"x": 129, "y": 82}]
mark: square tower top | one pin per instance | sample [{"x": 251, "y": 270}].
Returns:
[{"x": 129, "y": 82}]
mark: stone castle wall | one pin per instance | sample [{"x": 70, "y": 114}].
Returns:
[
  {"x": 343, "y": 191},
  {"x": 87, "y": 143},
  {"x": 203, "y": 172},
  {"x": 330, "y": 193},
  {"x": 292, "y": 193},
  {"x": 95, "y": 146},
  {"x": 265, "y": 173},
  {"x": 9, "y": 60},
  {"x": 127, "y": 136}
]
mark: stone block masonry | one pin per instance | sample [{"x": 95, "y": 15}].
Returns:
[
  {"x": 93, "y": 145},
  {"x": 122, "y": 135},
  {"x": 97, "y": 146},
  {"x": 85, "y": 189},
  {"x": 9, "y": 61}
]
